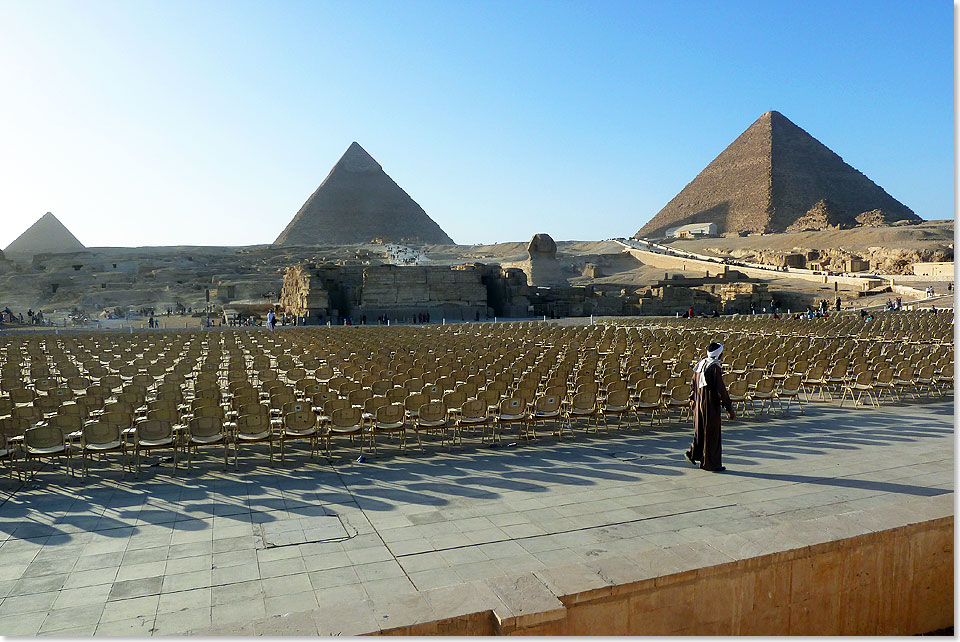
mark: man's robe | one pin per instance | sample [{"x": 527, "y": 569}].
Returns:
[{"x": 707, "y": 402}]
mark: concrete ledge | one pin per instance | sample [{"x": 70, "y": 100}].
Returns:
[{"x": 885, "y": 570}]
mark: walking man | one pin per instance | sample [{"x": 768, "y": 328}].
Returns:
[
  {"x": 709, "y": 394},
  {"x": 271, "y": 320}
]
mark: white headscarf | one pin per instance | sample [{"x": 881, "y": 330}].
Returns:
[{"x": 701, "y": 367}]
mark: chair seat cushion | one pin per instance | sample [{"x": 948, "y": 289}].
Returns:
[
  {"x": 300, "y": 433},
  {"x": 110, "y": 445},
  {"x": 50, "y": 450},
  {"x": 212, "y": 439},
  {"x": 166, "y": 441},
  {"x": 345, "y": 430},
  {"x": 256, "y": 436}
]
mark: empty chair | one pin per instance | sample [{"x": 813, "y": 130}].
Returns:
[
  {"x": 583, "y": 405},
  {"x": 390, "y": 419},
  {"x": 252, "y": 428},
  {"x": 8, "y": 455},
  {"x": 679, "y": 398},
  {"x": 648, "y": 400},
  {"x": 862, "y": 385},
  {"x": 153, "y": 434},
  {"x": 431, "y": 416},
  {"x": 474, "y": 414},
  {"x": 206, "y": 431},
  {"x": 546, "y": 408},
  {"x": 790, "y": 390},
  {"x": 740, "y": 394},
  {"x": 43, "y": 442},
  {"x": 301, "y": 424},
  {"x": 344, "y": 422},
  {"x": 617, "y": 402}
]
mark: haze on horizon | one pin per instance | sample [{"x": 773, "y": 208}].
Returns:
[{"x": 208, "y": 123}]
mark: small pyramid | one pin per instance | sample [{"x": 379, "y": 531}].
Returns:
[
  {"x": 356, "y": 203},
  {"x": 47, "y": 235},
  {"x": 773, "y": 178}
]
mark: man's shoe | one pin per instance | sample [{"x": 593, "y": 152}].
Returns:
[
  {"x": 689, "y": 457},
  {"x": 719, "y": 470}
]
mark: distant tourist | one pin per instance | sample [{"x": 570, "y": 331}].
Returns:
[
  {"x": 838, "y": 304},
  {"x": 708, "y": 396},
  {"x": 271, "y": 320},
  {"x": 715, "y": 315}
]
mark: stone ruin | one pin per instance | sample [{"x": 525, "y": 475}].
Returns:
[
  {"x": 542, "y": 266},
  {"x": 467, "y": 292}
]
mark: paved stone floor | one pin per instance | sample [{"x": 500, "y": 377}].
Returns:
[{"x": 211, "y": 550}]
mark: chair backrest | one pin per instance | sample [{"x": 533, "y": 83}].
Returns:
[
  {"x": 414, "y": 401},
  {"x": 737, "y": 388},
  {"x": 473, "y": 409},
  {"x": 765, "y": 385},
  {"x": 791, "y": 383},
  {"x": 213, "y": 410},
  {"x": 205, "y": 426},
  {"x": 584, "y": 400},
  {"x": 372, "y": 404},
  {"x": 865, "y": 378},
  {"x": 390, "y": 414},
  {"x": 926, "y": 372},
  {"x": 615, "y": 385},
  {"x": 649, "y": 395},
  {"x": 100, "y": 432},
  {"x": 381, "y": 386},
  {"x": 334, "y": 404},
  {"x": 14, "y": 426},
  {"x": 816, "y": 372},
  {"x": 42, "y": 437},
  {"x": 681, "y": 392},
  {"x": 618, "y": 398},
  {"x": 164, "y": 414},
  {"x": 66, "y": 424},
  {"x": 432, "y": 411},
  {"x": 905, "y": 374},
  {"x": 454, "y": 399},
  {"x": 345, "y": 417},
  {"x": 21, "y": 396},
  {"x": 253, "y": 424},
  {"x": 358, "y": 397},
  {"x": 153, "y": 429}
]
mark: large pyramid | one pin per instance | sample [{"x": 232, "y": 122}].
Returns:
[
  {"x": 776, "y": 177},
  {"x": 47, "y": 235},
  {"x": 358, "y": 202}
]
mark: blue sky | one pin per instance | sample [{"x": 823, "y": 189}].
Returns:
[{"x": 161, "y": 123}]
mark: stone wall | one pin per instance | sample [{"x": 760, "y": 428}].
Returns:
[
  {"x": 463, "y": 292},
  {"x": 859, "y": 576},
  {"x": 392, "y": 290},
  {"x": 943, "y": 268}
]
